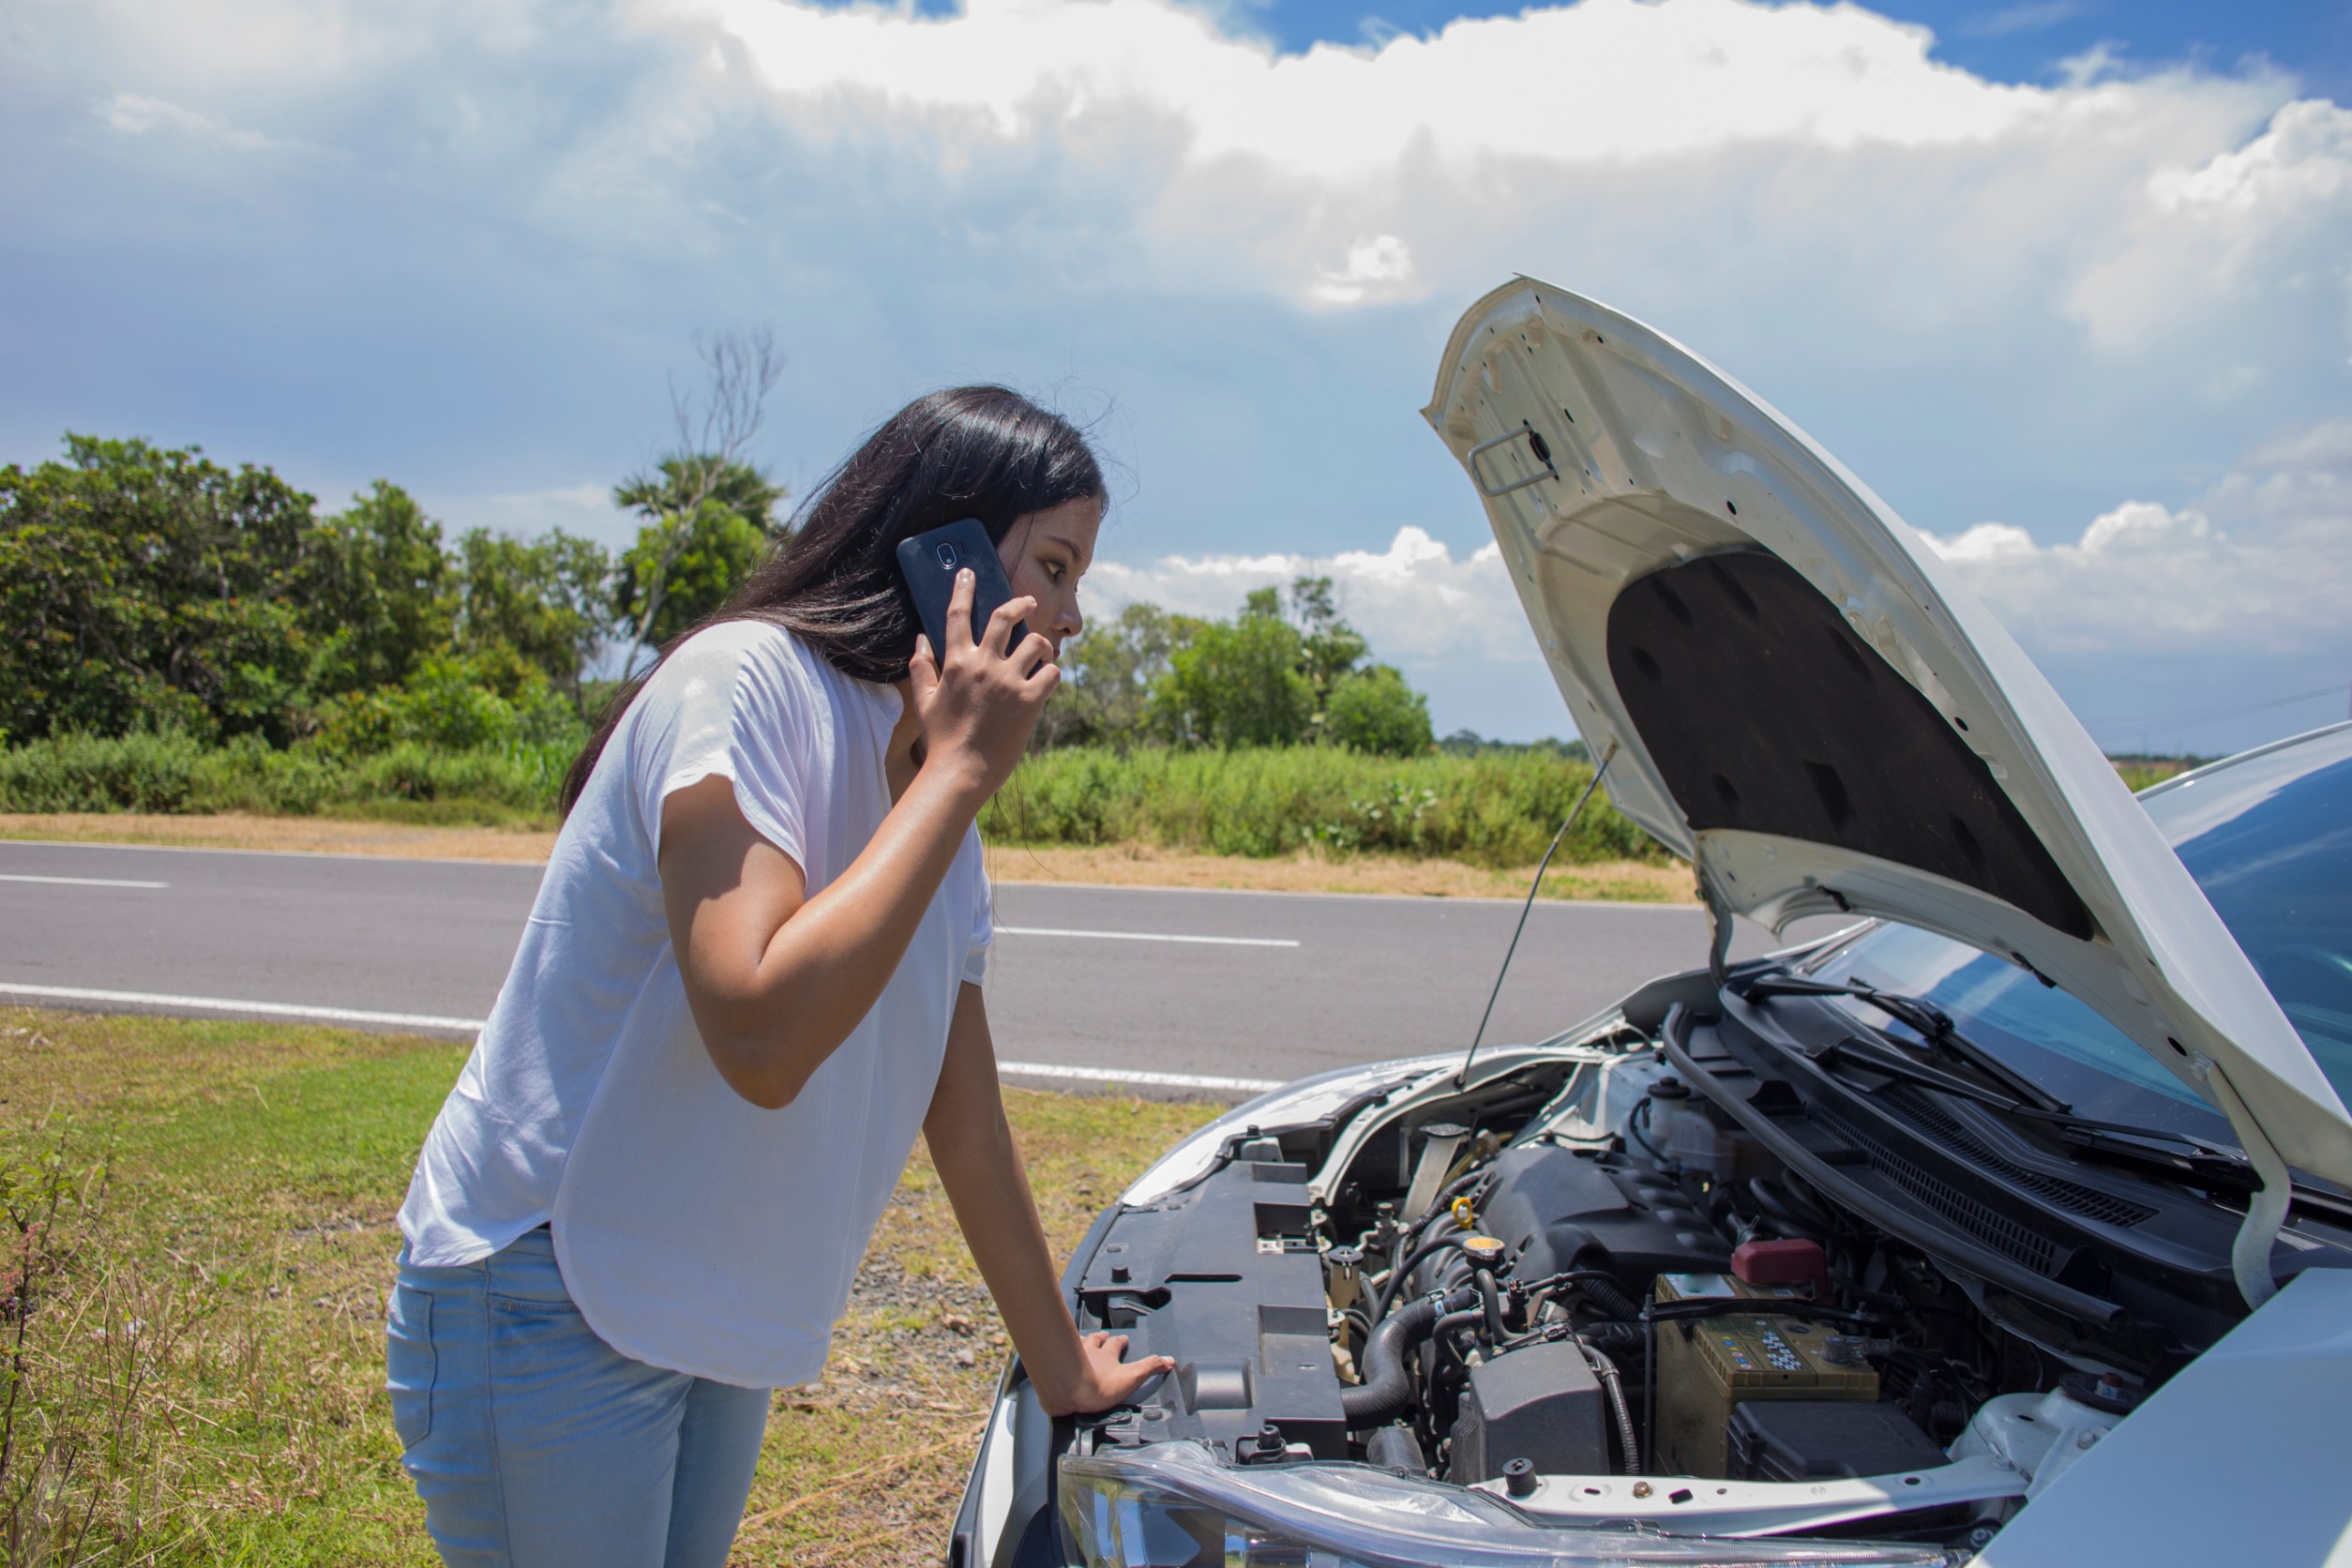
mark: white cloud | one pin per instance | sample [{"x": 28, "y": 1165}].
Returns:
[
  {"x": 585, "y": 509},
  {"x": 2267, "y": 216},
  {"x": 1699, "y": 137},
  {"x": 137, "y": 115},
  {"x": 2262, "y": 562},
  {"x": 1377, "y": 267},
  {"x": 2011, "y": 301},
  {"x": 1414, "y": 602}
]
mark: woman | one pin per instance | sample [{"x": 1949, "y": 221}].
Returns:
[{"x": 752, "y": 972}]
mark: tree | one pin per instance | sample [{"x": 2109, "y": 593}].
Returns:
[
  {"x": 544, "y": 602},
  {"x": 709, "y": 526},
  {"x": 380, "y": 583},
  {"x": 153, "y": 589},
  {"x": 145, "y": 588},
  {"x": 1107, "y": 673},
  {"x": 1374, "y": 710},
  {"x": 712, "y": 440},
  {"x": 1330, "y": 648},
  {"x": 1234, "y": 683},
  {"x": 1286, "y": 669}
]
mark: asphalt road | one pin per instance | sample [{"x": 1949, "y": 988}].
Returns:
[{"x": 1229, "y": 988}]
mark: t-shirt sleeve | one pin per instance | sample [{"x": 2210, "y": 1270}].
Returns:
[
  {"x": 983, "y": 932},
  {"x": 717, "y": 706}
]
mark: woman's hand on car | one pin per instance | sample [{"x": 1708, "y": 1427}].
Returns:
[
  {"x": 979, "y": 701},
  {"x": 1104, "y": 1380}
]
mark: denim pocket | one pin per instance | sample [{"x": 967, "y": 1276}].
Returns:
[
  {"x": 531, "y": 1335},
  {"x": 410, "y": 1364}
]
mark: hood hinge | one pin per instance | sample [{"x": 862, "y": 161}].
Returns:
[{"x": 1719, "y": 918}]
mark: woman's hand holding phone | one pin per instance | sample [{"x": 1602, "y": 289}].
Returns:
[{"x": 978, "y": 702}]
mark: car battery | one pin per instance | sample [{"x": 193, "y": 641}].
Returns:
[{"x": 1707, "y": 1366}]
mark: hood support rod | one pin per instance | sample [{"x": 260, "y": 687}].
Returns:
[
  {"x": 2265, "y": 1210},
  {"x": 1575, "y": 811}
]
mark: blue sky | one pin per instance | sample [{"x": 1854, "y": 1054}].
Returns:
[
  {"x": 2065, "y": 283},
  {"x": 2030, "y": 42}
]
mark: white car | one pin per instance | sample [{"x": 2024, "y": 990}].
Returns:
[{"x": 2009, "y": 1225}]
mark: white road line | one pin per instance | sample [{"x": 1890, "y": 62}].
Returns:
[
  {"x": 78, "y": 882},
  {"x": 1141, "y": 1076},
  {"x": 224, "y": 1004},
  {"x": 1144, "y": 935},
  {"x": 1137, "y": 1075}
]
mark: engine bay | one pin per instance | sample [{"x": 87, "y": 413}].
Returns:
[{"x": 1667, "y": 1271}]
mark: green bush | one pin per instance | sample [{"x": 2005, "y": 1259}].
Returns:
[
  {"x": 1494, "y": 810},
  {"x": 85, "y": 772},
  {"x": 453, "y": 704},
  {"x": 1374, "y": 710},
  {"x": 172, "y": 772}
]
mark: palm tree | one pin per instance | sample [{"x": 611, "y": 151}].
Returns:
[{"x": 705, "y": 480}]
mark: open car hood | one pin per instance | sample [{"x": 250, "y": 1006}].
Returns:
[{"x": 1807, "y": 705}]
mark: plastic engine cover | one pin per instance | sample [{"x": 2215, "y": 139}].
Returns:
[
  {"x": 1816, "y": 1440},
  {"x": 1224, "y": 1277},
  {"x": 1541, "y": 1403},
  {"x": 1560, "y": 1210}
]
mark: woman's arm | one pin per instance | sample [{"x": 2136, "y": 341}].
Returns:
[
  {"x": 978, "y": 1165},
  {"x": 777, "y": 981}
]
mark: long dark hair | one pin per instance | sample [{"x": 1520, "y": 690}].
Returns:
[{"x": 967, "y": 452}]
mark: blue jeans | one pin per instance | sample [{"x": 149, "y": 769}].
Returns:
[{"x": 535, "y": 1444}]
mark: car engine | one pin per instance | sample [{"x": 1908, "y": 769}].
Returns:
[{"x": 1585, "y": 1284}]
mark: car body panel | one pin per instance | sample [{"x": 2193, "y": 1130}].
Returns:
[
  {"x": 1606, "y": 455},
  {"x": 2268, "y": 1490}
]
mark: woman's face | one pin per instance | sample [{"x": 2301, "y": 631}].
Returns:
[{"x": 1045, "y": 553}]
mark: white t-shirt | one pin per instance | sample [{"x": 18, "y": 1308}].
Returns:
[{"x": 695, "y": 1231}]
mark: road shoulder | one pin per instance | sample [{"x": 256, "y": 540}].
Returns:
[{"x": 1112, "y": 866}]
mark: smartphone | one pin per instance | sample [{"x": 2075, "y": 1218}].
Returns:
[{"x": 930, "y": 563}]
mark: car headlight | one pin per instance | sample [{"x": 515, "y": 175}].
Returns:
[
  {"x": 1178, "y": 1505},
  {"x": 1294, "y": 1105}
]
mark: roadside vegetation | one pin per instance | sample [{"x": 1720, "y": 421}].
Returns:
[
  {"x": 192, "y": 640},
  {"x": 1498, "y": 810},
  {"x": 199, "y": 1239}
]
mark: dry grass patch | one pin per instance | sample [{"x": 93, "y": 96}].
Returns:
[
  {"x": 1133, "y": 864},
  {"x": 198, "y": 1245},
  {"x": 239, "y": 830},
  {"x": 1137, "y": 865}
]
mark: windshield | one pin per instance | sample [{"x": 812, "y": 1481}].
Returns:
[{"x": 2269, "y": 838}]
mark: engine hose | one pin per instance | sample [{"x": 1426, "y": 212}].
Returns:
[
  {"x": 1413, "y": 1259},
  {"x": 1614, "y": 1386},
  {"x": 1452, "y": 1322},
  {"x": 1781, "y": 1204},
  {"x": 1623, "y": 1338},
  {"x": 1443, "y": 1203},
  {"x": 1491, "y": 1299},
  {"x": 1603, "y": 1291},
  {"x": 1387, "y": 1387}
]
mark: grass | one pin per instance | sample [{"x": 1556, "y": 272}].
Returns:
[
  {"x": 1494, "y": 810},
  {"x": 407, "y": 783},
  {"x": 1134, "y": 865},
  {"x": 1302, "y": 819},
  {"x": 199, "y": 1241}
]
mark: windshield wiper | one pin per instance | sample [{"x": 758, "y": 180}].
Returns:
[
  {"x": 2028, "y": 1100},
  {"x": 1930, "y": 1022}
]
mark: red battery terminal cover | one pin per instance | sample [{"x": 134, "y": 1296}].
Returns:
[{"x": 1783, "y": 1263}]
